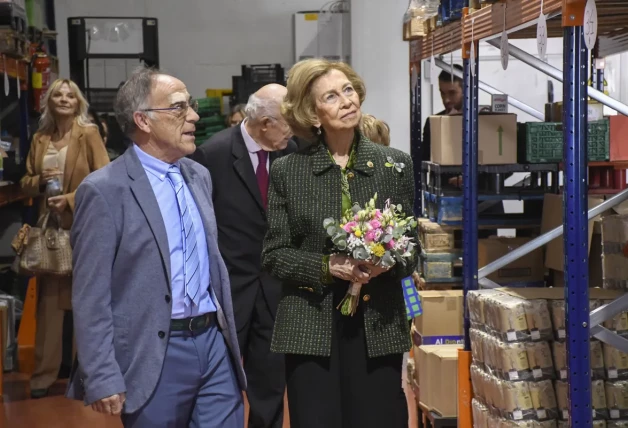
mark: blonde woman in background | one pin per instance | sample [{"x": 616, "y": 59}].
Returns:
[
  {"x": 375, "y": 130},
  {"x": 67, "y": 147}
]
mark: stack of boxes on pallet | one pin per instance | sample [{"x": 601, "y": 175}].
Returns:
[
  {"x": 211, "y": 119},
  {"x": 519, "y": 370},
  {"x": 437, "y": 335}
]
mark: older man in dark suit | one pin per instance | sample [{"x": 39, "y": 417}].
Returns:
[
  {"x": 153, "y": 317},
  {"x": 239, "y": 160}
]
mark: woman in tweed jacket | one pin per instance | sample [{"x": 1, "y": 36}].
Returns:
[{"x": 341, "y": 371}]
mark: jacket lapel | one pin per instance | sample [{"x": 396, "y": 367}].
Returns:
[
  {"x": 42, "y": 148},
  {"x": 244, "y": 167},
  {"x": 77, "y": 142},
  {"x": 201, "y": 198},
  {"x": 145, "y": 197}
]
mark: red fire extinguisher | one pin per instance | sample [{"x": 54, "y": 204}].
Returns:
[{"x": 40, "y": 78}]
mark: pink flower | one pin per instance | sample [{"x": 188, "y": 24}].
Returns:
[
  {"x": 391, "y": 244},
  {"x": 378, "y": 214},
  {"x": 349, "y": 226},
  {"x": 375, "y": 224},
  {"x": 356, "y": 218},
  {"x": 370, "y": 236}
]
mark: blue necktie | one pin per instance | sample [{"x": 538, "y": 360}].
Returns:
[{"x": 191, "y": 265}]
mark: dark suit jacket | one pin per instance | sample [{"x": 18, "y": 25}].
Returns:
[
  {"x": 241, "y": 218},
  {"x": 305, "y": 189},
  {"x": 121, "y": 291}
]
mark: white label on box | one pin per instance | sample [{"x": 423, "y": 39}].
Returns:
[
  {"x": 537, "y": 373},
  {"x": 565, "y": 414},
  {"x": 563, "y": 374},
  {"x": 614, "y": 414},
  {"x": 499, "y": 103},
  {"x": 513, "y": 375},
  {"x": 517, "y": 415},
  {"x": 612, "y": 373},
  {"x": 536, "y": 335},
  {"x": 561, "y": 333},
  {"x": 511, "y": 335},
  {"x": 541, "y": 414}
]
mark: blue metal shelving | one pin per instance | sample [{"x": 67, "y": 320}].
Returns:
[
  {"x": 580, "y": 324},
  {"x": 470, "y": 185},
  {"x": 576, "y": 225}
]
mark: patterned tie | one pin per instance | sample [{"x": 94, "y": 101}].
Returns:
[
  {"x": 262, "y": 176},
  {"x": 191, "y": 265}
]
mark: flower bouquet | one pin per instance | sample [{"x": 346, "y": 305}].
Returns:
[{"x": 381, "y": 237}]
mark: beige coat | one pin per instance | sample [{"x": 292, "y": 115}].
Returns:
[{"x": 86, "y": 153}]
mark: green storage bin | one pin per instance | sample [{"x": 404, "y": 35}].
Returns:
[
  {"x": 209, "y": 103},
  {"x": 542, "y": 142}
]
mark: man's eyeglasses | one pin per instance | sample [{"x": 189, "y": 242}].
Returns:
[{"x": 180, "y": 109}]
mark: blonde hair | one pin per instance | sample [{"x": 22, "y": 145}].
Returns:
[
  {"x": 298, "y": 108},
  {"x": 47, "y": 124},
  {"x": 375, "y": 130}
]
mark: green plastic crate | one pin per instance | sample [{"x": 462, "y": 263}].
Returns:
[
  {"x": 542, "y": 142},
  {"x": 209, "y": 103}
]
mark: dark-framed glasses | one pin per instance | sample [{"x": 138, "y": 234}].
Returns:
[{"x": 180, "y": 109}]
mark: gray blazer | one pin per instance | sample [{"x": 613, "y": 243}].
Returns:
[{"x": 121, "y": 284}]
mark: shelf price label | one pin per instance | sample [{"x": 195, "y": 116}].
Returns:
[
  {"x": 590, "y": 24},
  {"x": 504, "y": 50},
  {"x": 541, "y": 36}
]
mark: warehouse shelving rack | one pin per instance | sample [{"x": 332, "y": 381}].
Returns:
[{"x": 566, "y": 19}]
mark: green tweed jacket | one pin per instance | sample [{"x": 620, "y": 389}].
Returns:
[{"x": 305, "y": 188}]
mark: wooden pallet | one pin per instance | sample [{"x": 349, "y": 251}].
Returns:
[{"x": 430, "y": 419}]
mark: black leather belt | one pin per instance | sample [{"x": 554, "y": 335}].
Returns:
[{"x": 193, "y": 323}]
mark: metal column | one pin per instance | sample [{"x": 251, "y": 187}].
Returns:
[
  {"x": 575, "y": 74},
  {"x": 470, "y": 185},
  {"x": 416, "y": 137}
]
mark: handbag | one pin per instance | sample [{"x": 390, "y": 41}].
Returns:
[{"x": 44, "y": 249}]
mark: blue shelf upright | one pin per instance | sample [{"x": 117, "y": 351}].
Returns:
[
  {"x": 469, "y": 182},
  {"x": 416, "y": 138},
  {"x": 575, "y": 207}
]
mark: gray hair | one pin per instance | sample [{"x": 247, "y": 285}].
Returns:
[
  {"x": 257, "y": 107},
  {"x": 134, "y": 96}
]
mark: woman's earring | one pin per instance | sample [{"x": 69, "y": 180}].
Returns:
[{"x": 318, "y": 131}]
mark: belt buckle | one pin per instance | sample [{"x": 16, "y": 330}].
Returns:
[{"x": 190, "y": 324}]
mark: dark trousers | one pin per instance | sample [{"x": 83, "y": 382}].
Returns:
[
  {"x": 264, "y": 369},
  {"x": 347, "y": 389},
  {"x": 198, "y": 387}
]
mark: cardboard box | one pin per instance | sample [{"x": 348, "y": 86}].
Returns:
[
  {"x": 429, "y": 367},
  {"x": 497, "y": 139},
  {"x": 443, "y": 372},
  {"x": 525, "y": 270},
  {"x": 442, "y": 320},
  {"x": 619, "y": 130},
  {"x": 553, "y": 217}
]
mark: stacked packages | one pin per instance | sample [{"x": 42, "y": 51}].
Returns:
[{"x": 519, "y": 370}]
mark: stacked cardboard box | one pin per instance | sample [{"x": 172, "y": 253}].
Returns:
[
  {"x": 437, "y": 335},
  {"x": 519, "y": 370}
]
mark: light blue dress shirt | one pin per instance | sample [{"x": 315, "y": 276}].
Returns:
[{"x": 157, "y": 170}]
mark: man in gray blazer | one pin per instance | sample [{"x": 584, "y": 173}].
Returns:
[{"x": 153, "y": 317}]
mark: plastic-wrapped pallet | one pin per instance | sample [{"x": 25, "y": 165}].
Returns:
[{"x": 519, "y": 354}]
